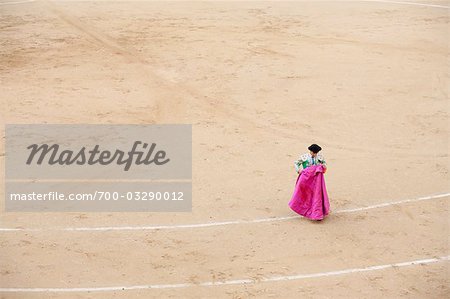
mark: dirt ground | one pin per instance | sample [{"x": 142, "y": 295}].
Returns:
[{"x": 259, "y": 82}]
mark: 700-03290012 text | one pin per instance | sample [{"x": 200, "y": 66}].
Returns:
[{"x": 99, "y": 195}]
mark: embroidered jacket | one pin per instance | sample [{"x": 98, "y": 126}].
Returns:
[{"x": 307, "y": 160}]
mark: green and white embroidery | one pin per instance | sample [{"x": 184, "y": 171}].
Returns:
[{"x": 307, "y": 160}]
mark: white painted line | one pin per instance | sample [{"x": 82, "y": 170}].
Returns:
[
  {"x": 211, "y": 224},
  {"x": 381, "y": 205},
  {"x": 226, "y": 282},
  {"x": 408, "y": 3},
  {"x": 16, "y": 2}
]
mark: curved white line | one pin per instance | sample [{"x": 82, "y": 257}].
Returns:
[
  {"x": 227, "y": 282},
  {"x": 211, "y": 224},
  {"x": 408, "y": 3},
  {"x": 17, "y": 2}
]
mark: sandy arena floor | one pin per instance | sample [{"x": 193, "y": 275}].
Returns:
[{"x": 259, "y": 81}]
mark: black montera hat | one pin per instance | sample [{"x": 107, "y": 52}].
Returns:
[{"x": 314, "y": 148}]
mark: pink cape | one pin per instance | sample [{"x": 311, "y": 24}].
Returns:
[{"x": 310, "y": 198}]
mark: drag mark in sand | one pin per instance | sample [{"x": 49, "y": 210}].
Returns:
[
  {"x": 177, "y": 91},
  {"x": 212, "y": 224},
  {"x": 227, "y": 282}
]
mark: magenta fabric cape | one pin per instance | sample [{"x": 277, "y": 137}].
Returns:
[{"x": 310, "y": 198}]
